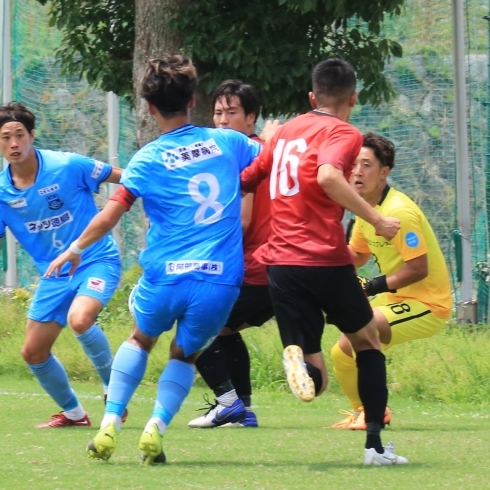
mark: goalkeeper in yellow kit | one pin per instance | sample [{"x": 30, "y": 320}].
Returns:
[{"x": 412, "y": 295}]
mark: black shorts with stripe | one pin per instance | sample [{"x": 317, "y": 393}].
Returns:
[{"x": 304, "y": 297}]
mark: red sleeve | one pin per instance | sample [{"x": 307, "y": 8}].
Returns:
[
  {"x": 258, "y": 170},
  {"x": 124, "y": 197},
  {"x": 341, "y": 147}
]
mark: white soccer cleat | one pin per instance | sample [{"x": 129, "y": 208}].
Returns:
[
  {"x": 298, "y": 378},
  {"x": 388, "y": 458}
]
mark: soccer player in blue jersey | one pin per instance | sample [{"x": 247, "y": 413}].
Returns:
[
  {"x": 46, "y": 201},
  {"x": 193, "y": 265}
]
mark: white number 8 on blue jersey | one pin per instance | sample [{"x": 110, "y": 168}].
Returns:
[{"x": 205, "y": 202}]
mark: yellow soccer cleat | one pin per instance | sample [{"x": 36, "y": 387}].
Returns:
[
  {"x": 344, "y": 423},
  {"x": 104, "y": 443},
  {"x": 360, "y": 422},
  {"x": 150, "y": 446}
]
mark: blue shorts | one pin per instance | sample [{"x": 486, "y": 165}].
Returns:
[
  {"x": 54, "y": 295},
  {"x": 200, "y": 309}
]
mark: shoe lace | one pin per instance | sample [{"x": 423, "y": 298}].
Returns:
[
  {"x": 390, "y": 447},
  {"x": 209, "y": 406},
  {"x": 349, "y": 413},
  {"x": 361, "y": 418}
]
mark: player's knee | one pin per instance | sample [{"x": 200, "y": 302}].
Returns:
[
  {"x": 80, "y": 321},
  {"x": 366, "y": 338},
  {"x": 33, "y": 355}
]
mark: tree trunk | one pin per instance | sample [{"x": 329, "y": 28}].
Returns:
[{"x": 153, "y": 38}]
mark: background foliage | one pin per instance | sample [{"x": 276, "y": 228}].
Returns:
[{"x": 273, "y": 44}]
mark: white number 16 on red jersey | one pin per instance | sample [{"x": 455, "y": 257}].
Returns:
[{"x": 281, "y": 169}]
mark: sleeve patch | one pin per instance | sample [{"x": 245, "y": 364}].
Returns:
[
  {"x": 412, "y": 239},
  {"x": 97, "y": 170},
  {"x": 123, "y": 196}
]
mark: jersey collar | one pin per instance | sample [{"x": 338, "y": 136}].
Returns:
[
  {"x": 323, "y": 113},
  {"x": 384, "y": 194}
]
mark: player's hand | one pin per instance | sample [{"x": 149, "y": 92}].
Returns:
[
  {"x": 270, "y": 129},
  {"x": 387, "y": 227},
  {"x": 366, "y": 285},
  {"x": 61, "y": 260},
  {"x": 375, "y": 286}
]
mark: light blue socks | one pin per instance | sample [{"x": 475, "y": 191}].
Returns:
[
  {"x": 53, "y": 378},
  {"x": 173, "y": 387},
  {"x": 128, "y": 369},
  {"x": 95, "y": 344}
]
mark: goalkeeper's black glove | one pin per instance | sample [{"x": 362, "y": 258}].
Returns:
[{"x": 375, "y": 286}]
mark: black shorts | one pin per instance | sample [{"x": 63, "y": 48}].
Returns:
[
  {"x": 301, "y": 295},
  {"x": 253, "y": 307}
]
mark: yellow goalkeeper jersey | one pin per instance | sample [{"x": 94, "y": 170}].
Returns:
[{"x": 415, "y": 238}]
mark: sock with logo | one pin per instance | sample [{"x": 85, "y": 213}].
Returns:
[
  {"x": 95, "y": 344},
  {"x": 173, "y": 387}
]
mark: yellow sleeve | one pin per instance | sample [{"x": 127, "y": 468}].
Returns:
[
  {"x": 357, "y": 240},
  {"x": 410, "y": 239}
]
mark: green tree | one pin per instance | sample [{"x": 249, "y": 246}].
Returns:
[{"x": 272, "y": 44}]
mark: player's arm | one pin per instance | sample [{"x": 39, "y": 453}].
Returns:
[
  {"x": 247, "y": 209},
  {"x": 114, "y": 176},
  {"x": 331, "y": 179},
  {"x": 103, "y": 222},
  {"x": 358, "y": 258},
  {"x": 258, "y": 170},
  {"x": 412, "y": 271}
]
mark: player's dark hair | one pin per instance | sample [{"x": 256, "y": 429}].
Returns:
[
  {"x": 383, "y": 148},
  {"x": 246, "y": 93},
  {"x": 15, "y": 111},
  {"x": 169, "y": 83},
  {"x": 334, "y": 79}
]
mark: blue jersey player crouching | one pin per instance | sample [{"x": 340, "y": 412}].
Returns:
[
  {"x": 193, "y": 265},
  {"x": 46, "y": 201}
]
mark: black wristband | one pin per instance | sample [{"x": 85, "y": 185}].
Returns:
[{"x": 377, "y": 285}]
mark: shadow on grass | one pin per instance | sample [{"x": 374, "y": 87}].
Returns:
[{"x": 288, "y": 464}]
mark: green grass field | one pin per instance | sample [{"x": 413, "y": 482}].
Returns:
[{"x": 447, "y": 444}]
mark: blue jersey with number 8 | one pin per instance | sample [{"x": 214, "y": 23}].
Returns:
[{"x": 189, "y": 180}]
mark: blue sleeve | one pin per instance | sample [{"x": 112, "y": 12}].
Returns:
[
  {"x": 248, "y": 149},
  {"x": 136, "y": 176},
  {"x": 91, "y": 172}
]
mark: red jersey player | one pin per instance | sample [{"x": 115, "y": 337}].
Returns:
[
  {"x": 225, "y": 364},
  {"x": 310, "y": 272}
]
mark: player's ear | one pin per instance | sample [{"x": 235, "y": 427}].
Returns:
[
  {"x": 192, "y": 102},
  {"x": 312, "y": 99},
  {"x": 151, "y": 108},
  {"x": 385, "y": 170},
  {"x": 353, "y": 99}
]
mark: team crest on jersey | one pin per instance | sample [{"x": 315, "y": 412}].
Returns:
[
  {"x": 98, "y": 166},
  {"x": 96, "y": 284},
  {"x": 54, "y": 202},
  {"x": 48, "y": 190},
  {"x": 187, "y": 155},
  {"x": 18, "y": 203}
]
